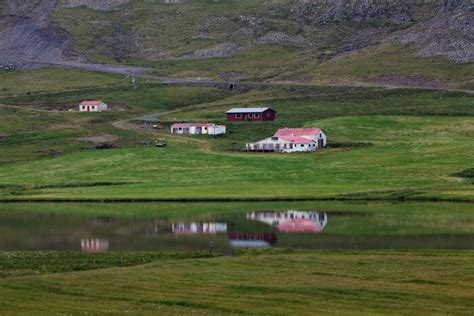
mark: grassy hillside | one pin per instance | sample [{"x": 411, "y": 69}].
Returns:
[
  {"x": 398, "y": 159},
  {"x": 50, "y": 80},
  {"x": 383, "y": 143},
  {"x": 349, "y": 283},
  {"x": 255, "y": 40},
  {"x": 34, "y": 105}
]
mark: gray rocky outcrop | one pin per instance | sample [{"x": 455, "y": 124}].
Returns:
[
  {"x": 449, "y": 34},
  {"x": 26, "y": 33},
  {"x": 101, "y": 5}
]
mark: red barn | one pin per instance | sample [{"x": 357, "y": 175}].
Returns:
[{"x": 251, "y": 114}]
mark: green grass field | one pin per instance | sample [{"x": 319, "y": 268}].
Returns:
[
  {"x": 323, "y": 282},
  {"x": 388, "y": 144},
  {"x": 398, "y": 162},
  {"x": 392, "y": 145}
]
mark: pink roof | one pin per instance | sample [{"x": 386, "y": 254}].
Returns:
[
  {"x": 308, "y": 132},
  {"x": 91, "y": 102},
  {"x": 190, "y": 124},
  {"x": 300, "y": 226},
  {"x": 297, "y": 139}
]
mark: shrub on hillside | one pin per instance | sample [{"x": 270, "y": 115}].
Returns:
[{"x": 466, "y": 173}]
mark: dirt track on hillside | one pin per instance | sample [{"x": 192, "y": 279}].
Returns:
[{"x": 139, "y": 72}]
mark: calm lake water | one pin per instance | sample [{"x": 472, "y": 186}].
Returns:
[{"x": 225, "y": 228}]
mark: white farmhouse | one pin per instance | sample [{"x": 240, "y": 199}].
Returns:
[
  {"x": 292, "y": 221},
  {"x": 92, "y": 106},
  {"x": 198, "y": 129},
  {"x": 289, "y": 140}
]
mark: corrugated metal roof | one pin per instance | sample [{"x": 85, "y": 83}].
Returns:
[
  {"x": 191, "y": 124},
  {"x": 297, "y": 139},
  {"x": 247, "y": 110},
  {"x": 301, "y": 132},
  {"x": 91, "y": 102}
]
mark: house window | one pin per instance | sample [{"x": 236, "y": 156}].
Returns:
[
  {"x": 180, "y": 128},
  {"x": 238, "y": 115},
  {"x": 302, "y": 145},
  {"x": 257, "y": 115},
  {"x": 250, "y": 115},
  {"x": 83, "y": 107}
]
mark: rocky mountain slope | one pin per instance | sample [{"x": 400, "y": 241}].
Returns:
[
  {"x": 170, "y": 31},
  {"x": 27, "y": 33}
]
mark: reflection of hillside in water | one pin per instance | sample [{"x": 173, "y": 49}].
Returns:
[
  {"x": 225, "y": 232},
  {"x": 292, "y": 221}
]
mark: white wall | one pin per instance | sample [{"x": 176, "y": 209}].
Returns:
[
  {"x": 322, "y": 136},
  {"x": 211, "y": 130},
  {"x": 304, "y": 148},
  {"x": 93, "y": 108},
  {"x": 217, "y": 130},
  {"x": 102, "y": 107}
]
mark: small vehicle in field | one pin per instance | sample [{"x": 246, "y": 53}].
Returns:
[{"x": 160, "y": 143}]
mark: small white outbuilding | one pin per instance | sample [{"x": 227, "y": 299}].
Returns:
[
  {"x": 92, "y": 106},
  {"x": 197, "y": 129}
]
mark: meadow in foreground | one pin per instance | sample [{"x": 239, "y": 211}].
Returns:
[{"x": 251, "y": 283}]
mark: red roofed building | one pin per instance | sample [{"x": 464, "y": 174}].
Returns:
[
  {"x": 251, "y": 114},
  {"x": 197, "y": 129},
  {"x": 292, "y": 221},
  {"x": 291, "y": 140},
  {"x": 92, "y": 106}
]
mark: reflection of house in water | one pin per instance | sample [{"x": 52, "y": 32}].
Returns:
[
  {"x": 94, "y": 245},
  {"x": 199, "y": 228},
  {"x": 251, "y": 240},
  {"x": 292, "y": 221}
]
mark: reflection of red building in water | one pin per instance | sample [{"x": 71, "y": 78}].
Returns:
[
  {"x": 251, "y": 240},
  {"x": 292, "y": 221},
  {"x": 94, "y": 245},
  {"x": 199, "y": 228}
]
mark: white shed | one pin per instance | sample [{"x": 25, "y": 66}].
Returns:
[
  {"x": 92, "y": 106},
  {"x": 197, "y": 129}
]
